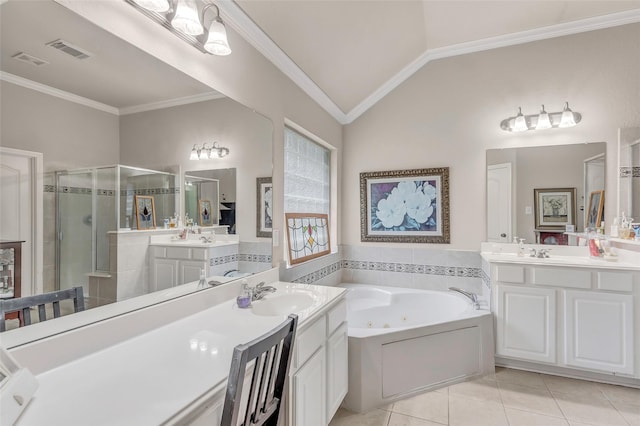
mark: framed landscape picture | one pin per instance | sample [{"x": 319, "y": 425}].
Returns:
[
  {"x": 405, "y": 206},
  {"x": 554, "y": 207}
]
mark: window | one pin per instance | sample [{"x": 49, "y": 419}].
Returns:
[{"x": 307, "y": 175}]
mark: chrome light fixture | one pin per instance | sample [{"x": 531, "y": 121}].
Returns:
[
  {"x": 544, "y": 120},
  {"x": 207, "y": 151},
  {"x": 188, "y": 19}
]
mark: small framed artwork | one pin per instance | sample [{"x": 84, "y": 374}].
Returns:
[
  {"x": 145, "y": 212},
  {"x": 596, "y": 209},
  {"x": 405, "y": 206},
  {"x": 204, "y": 209},
  {"x": 264, "y": 212},
  {"x": 555, "y": 208},
  {"x": 307, "y": 236}
]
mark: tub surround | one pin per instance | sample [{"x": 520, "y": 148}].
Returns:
[
  {"x": 406, "y": 341},
  {"x": 192, "y": 354},
  {"x": 568, "y": 314}
]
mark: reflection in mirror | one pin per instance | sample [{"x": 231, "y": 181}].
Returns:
[
  {"x": 514, "y": 173},
  {"x": 629, "y": 173},
  {"x": 226, "y": 198},
  {"x": 107, "y": 109},
  {"x": 200, "y": 199}
]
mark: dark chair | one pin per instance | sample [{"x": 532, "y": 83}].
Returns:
[
  {"x": 23, "y": 305},
  {"x": 266, "y": 359}
]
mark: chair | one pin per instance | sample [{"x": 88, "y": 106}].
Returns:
[
  {"x": 23, "y": 305},
  {"x": 271, "y": 357}
]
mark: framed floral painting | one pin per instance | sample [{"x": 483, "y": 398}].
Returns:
[
  {"x": 145, "y": 212},
  {"x": 554, "y": 207},
  {"x": 405, "y": 206},
  {"x": 264, "y": 200}
]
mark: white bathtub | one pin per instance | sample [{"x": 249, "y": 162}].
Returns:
[{"x": 405, "y": 341}]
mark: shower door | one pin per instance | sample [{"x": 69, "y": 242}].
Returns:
[{"x": 75, "y": 227}]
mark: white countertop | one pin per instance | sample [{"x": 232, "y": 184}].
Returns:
[
  {"x": 147, "y": 379},
  {"x": 555, "y": 260}
]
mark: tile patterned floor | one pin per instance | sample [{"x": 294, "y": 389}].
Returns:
[{"x": 509, "y": 398}]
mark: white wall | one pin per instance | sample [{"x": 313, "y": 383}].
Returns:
[{"x": 448, "y": 114}]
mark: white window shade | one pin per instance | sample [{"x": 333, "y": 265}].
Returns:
[{"x": 307, "y": 175}]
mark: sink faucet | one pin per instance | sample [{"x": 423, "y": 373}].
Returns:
[
  {"x": 260, "y": 290},
  {"x": 541, "y": 253},
  {"x": 470, "y": 295},
  {"x": 206, "y": 239}
]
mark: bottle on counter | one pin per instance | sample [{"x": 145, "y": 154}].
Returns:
[{"x": 244, "y": 299}]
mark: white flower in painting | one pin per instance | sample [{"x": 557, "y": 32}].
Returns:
[
  {"x": 419, "y": 207},
  {"x": 405, "y": 189},
  {"x": 429, "y": 191},
  {"x": 268, "y": 200},
  {"x": 391, "y": 210}
]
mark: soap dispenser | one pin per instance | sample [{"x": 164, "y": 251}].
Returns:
[
  {"x": 521, "y": 247},
  {"x": 244, "y": 299}
]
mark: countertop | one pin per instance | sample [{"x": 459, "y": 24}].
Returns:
[
  {"x": 558, "y": 260},
  {"x": 149, "y": 378}
]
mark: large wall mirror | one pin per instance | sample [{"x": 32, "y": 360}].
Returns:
[
  {"x": 94, "y": 100},
  {"x": 516, "y": 176},
  {"x": 629, "y": 173}
]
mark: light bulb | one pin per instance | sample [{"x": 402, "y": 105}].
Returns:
[
  {"x": 194, "y": 154},
  {"x": 217, "y": 43},
  {"x": 186, "y": 18},
  {"x": 520, "y": 123},
  {"x": 568, "y": 119},
  {"x": 543, "y": 120}
]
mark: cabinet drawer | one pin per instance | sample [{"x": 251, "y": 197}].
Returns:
[
  {"x": 178, "y": 252},
  {"x": 199, "y": 254},
  {"x": 557, "y": 277},
  {"x": 615, "y": 281},
  {"x": 308, "y": 341},
  {"x": 159, "y": 252},
  {"x": 510, "y": 274},
  {"x": 336, "y": 316}
]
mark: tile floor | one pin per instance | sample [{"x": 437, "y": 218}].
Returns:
[{"x": 509, "y": 398}]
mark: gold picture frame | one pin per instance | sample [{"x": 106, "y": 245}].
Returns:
[
  {"x": 307, "y": 236},
  {"x": 595, "y": 211},
  {"x": 145, "y": 212}
]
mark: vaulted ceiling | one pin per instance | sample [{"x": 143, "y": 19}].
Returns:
[{"x": 356, "y": 51}]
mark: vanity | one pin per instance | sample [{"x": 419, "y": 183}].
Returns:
[
  {"x": 159, "y": 365},
  {"x": 567, "y": 314}
]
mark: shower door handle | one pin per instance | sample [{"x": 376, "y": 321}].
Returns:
[{"x": 60, "y": 236}]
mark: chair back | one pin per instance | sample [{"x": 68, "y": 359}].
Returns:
[
  {"x": 263, "y": 364},
  {"x": 23, "y": 305}
]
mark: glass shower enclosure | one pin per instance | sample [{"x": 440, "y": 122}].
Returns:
[{"x": 92, "y": 202}]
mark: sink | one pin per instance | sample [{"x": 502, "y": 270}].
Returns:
[{"x": 284, "y": 303}]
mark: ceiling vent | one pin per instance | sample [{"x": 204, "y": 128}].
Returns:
[
  {"x": 25, "y": 57},
  {"x": 69, "y": 49}
]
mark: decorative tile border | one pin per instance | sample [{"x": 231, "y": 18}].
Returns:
[
  {"x": 630, "y": 171},
  {"x": 320, "y": 273},
  {"x": 486, "y": 280},
  {"x": 260, "y": 258},
  {"x": 112, "y": 192},
  {"x": 451, "y": 271}
]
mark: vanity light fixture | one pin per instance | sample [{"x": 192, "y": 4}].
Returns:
[
  {"x": 188, "y": 19},
  {"x": 207, "y": 151},
  {"x": 541, "y": 121}
]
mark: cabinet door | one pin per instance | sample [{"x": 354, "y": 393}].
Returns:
[
  {"x": 309, "y": 397},
  {"x": 164, "y": 274},
  {"x": 189, "y": 270},
  {"x": 599, "y": 331},
  {"x": 337, "y": 369},
  {"x": 526, "y": 323}
]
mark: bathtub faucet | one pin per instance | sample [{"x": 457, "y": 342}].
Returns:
[{"x": 470, "y": 295}]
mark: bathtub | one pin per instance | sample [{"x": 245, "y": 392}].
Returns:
[{"x": 406, "y": 341}]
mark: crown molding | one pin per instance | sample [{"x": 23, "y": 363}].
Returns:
[
  {"x": 171, "y": 103},
  {"x": 52, "y": 91},
  {"x": 249, "y": 30},
  {"x": 235, "y": 17}
]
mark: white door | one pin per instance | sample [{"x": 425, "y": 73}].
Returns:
[
  {"x": 189, "y": 271},
  {"x": 499, "y": 221},
  {"x": 164, "y": 274},
  {"x": 526, "y": 323},
  {"x": 593, "y": 180},
  {"x": 21, "y": 215},
  {"x": 599, "y": 331}
]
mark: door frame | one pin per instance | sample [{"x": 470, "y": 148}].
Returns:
[{"x": 37, "y": 222}]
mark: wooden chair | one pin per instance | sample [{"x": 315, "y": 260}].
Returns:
[
  {"x": 23, "y": 305},
  {"x": 267, "y": 360}
]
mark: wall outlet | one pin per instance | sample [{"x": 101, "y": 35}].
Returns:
[{"x": 528, "y": 210}]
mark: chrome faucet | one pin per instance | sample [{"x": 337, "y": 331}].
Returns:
[
  {"x": 259, "y": 291},
  {"x": 206, "y": 239},
  {"x": 540, "y": 253},
  {"x": 469, "y": 294}
]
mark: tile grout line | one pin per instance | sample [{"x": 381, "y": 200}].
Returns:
[
  {"x": 613, "y": 405},
  {"x": 555, "y": 400}
]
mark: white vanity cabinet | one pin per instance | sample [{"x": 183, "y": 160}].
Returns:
[
  {"x": 577, "y": 317},
  {"x": 319, "y": 369},
  {"x": 172, "y": 266}
]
